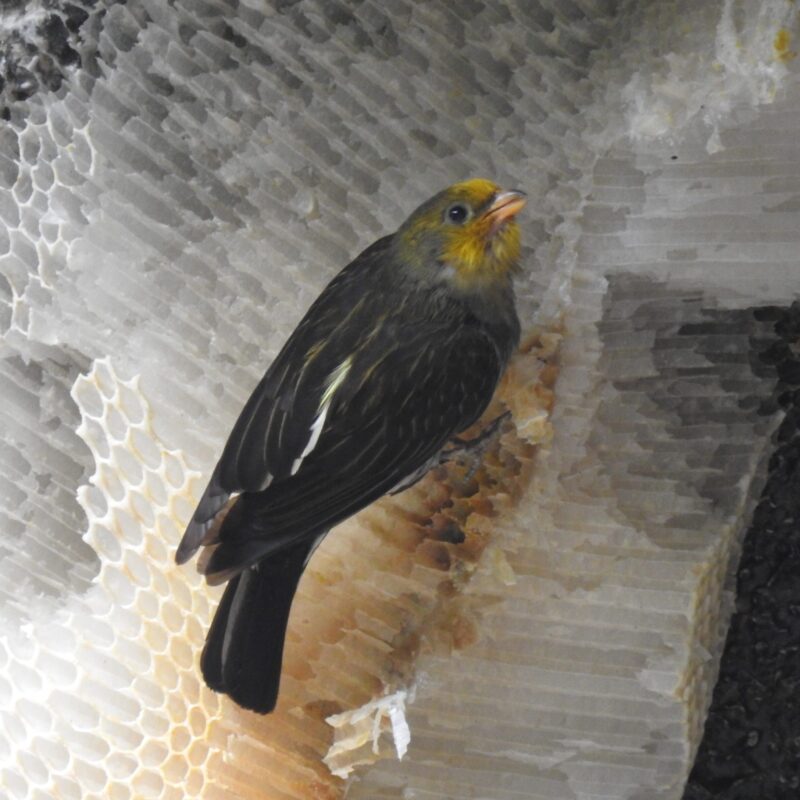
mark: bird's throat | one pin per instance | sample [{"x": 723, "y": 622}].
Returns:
[{"x": 479, "y": 260}]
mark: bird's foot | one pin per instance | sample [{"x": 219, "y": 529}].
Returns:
[
  {"x": 467, "y": 451},
  {"x": 471, "y": 451}
]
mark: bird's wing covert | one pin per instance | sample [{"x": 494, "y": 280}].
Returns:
[
  {"x": 391, "y": 415},
  {"x": 276, "y": 424}
]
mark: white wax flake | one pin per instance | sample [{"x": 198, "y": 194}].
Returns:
[
  {"x": 358, "y": 734},
  {"x": 401, "y": 733}
]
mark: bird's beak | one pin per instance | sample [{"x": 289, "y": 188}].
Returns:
[{"x": 505, "y": 206}]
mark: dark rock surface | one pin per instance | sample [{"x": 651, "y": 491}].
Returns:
[{"x": 751, "y": 746}]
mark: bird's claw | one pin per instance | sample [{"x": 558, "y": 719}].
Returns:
[{"x": 473, "y": 449}]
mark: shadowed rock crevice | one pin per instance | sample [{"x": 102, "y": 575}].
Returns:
[{"x": 751, "y": 744}]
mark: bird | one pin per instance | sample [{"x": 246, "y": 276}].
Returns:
[{"x": 400, "y": 353}]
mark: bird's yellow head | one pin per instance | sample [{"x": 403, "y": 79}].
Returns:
[{"x": 468, "y": 232}]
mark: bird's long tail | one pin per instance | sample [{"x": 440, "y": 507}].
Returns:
[{"x": 244, "y": 647}]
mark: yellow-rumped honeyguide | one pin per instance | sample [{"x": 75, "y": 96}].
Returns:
[{"x": 401, "y": 352}]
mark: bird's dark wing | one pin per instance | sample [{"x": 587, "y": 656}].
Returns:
[
  {"x": 407, "y": 391},
  {"x": 276, "y": 424}
]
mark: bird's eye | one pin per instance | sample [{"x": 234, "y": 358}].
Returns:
[{"x": 458, "y": 213}]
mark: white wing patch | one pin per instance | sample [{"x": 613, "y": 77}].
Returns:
[
  {"x": 335, "y": 380},
  {"x": 316, "y": 430}
]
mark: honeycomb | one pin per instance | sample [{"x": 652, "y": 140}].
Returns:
[
  {"x": 101, "y": 698},
  {"x": 178, "y": 181}
]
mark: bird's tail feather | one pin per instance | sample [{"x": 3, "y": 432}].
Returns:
[{"x": 244, "y": 647}]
